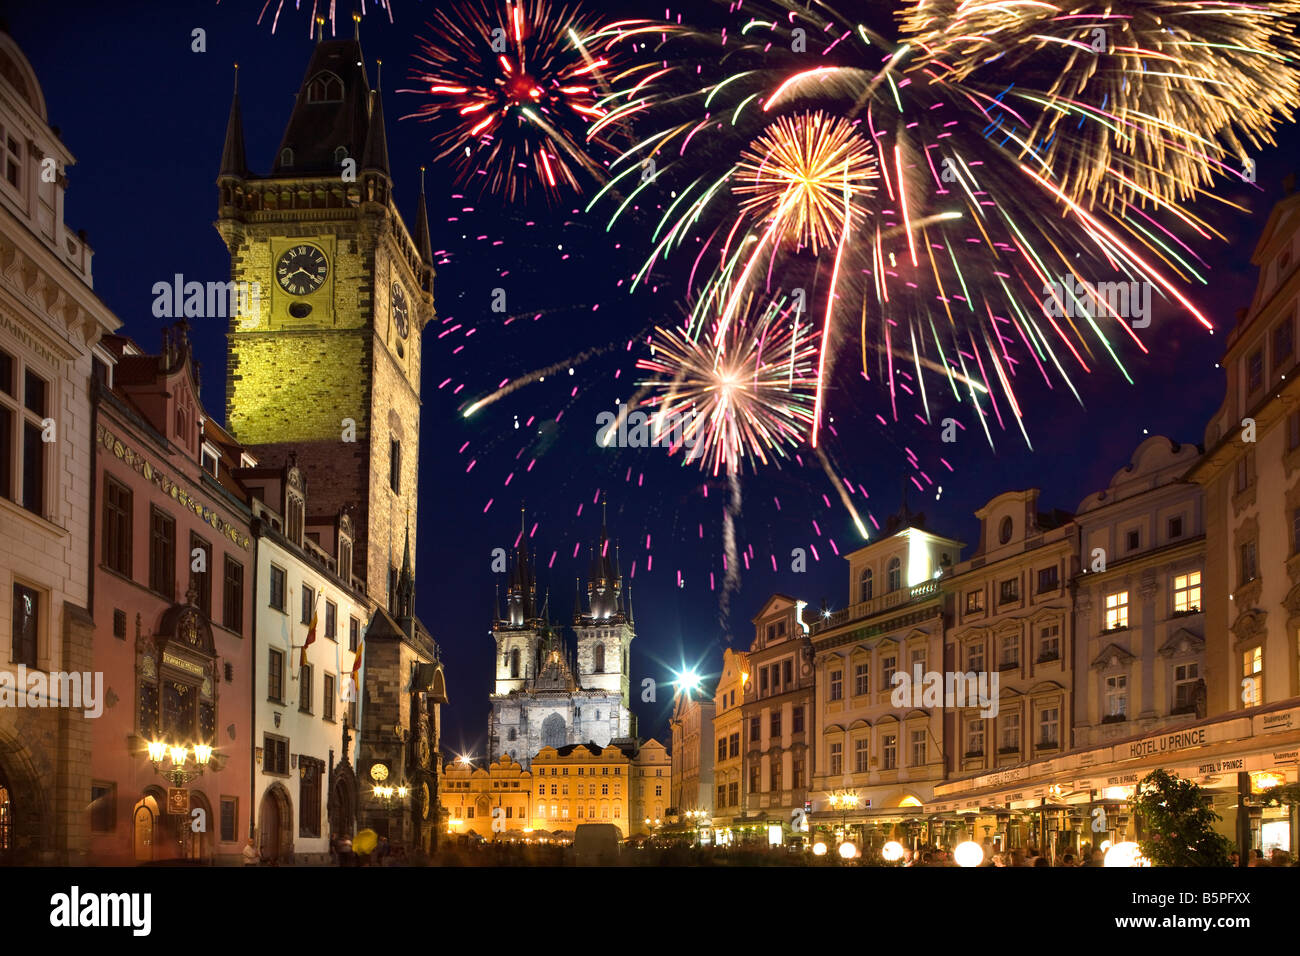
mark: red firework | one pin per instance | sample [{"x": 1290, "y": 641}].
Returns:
[{"x": 512, "y": 93}]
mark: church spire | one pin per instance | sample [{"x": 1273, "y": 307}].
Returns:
[{"x": 233, "y": 161}]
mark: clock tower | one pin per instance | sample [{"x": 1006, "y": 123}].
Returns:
[{"x": 325, "y": 358}]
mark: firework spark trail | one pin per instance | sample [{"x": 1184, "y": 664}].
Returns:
[
  {"x": 731, "y": 581},
  {"x": 839, "y": 490},
  {"x": 535, "y": 376}
]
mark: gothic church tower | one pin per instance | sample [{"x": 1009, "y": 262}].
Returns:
[{"x": 326, "y": 362}]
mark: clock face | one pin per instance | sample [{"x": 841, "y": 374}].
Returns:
[
  {"x": 401, "y": 311},
  {"x": 301, "y": 270}
]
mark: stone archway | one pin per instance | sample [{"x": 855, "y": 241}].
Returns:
[
  {"x": 145, "y": 828},
  {"x": 275, "y": 825},
  {"x": 343, "y": 802},
  {"x": 199, "y": 846},
  {"x": 27, "y": 822}
]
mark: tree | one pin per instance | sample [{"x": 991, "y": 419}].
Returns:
[{"x": 1178, "y": 823}]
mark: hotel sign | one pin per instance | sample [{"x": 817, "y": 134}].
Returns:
[
  {"x": 1165, "y": 743},
  {"x": 168, "y": 487}
]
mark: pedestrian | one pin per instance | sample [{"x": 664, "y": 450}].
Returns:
[
  {"x": 1095, "y": 858},
  {"x": 1256, "y": 858},
  {"x": 345, "y": 854},
  {"x": 1234, "y": 858},
  {"x": 251, "y": 856},
  {"x": 1067, "y": 860},
  {"x": 1041, "y": 861}
]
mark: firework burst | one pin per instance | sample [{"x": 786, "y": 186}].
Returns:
[
  {"x": 965, "y": 256},
  {"x": 806, "y": 175},
  {"x": 747, "y": 397},
  {"x": 511, "y": 93},
  {"x": 1144, "y": 100}
]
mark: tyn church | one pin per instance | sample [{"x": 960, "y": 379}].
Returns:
[{"x": 548, "y": 693}]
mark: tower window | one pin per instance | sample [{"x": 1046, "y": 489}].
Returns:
[
  {"x": 395, "y": 466},
  {"x": 286, "y": 157},
  {"x": 325, "y": 88},
  {"x": 514, "y": 665},
  {"x": 598, "y": 659},
  {"x": 340, "y": 154}
]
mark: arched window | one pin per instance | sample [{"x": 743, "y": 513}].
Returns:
[
  {"x": 340, "y": 154},
  {"x": 512, "y": 734},
  {"x": 514, "y": 665},
  {"x": 598, "y": 659},
  {"x": 553, "y": 731},
  {"x": 324, "y": 88},
  {"x": 286, "y": 157},
  {"x": 895, "y": 574},
  {"x": 865, "y": 585}
]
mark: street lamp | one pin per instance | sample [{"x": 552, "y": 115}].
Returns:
[
  {"x": 176, "y": 756},
  {"x": 844, "y": 801}
]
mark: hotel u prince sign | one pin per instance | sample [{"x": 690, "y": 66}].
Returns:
[
  {"x": 1165, "y": 743},
  {"x": 168, "y": 487}
]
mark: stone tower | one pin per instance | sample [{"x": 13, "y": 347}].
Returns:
[
  {"x": 326, "y": 357},
  {"x": 517, "y": 631},
  {"x": 605, "y": 629}
]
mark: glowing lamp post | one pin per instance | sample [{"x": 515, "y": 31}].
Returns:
[
  {"x": 968, "y": 854},
  {"x": 172, "y": 761}
]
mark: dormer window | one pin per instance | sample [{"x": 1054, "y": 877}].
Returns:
[
  {"x": 1004, "y": 531},
  {"x": 209, "y": 461},
  {"x": 286, "y": 157},
  {"x": 325, "y": 88}
]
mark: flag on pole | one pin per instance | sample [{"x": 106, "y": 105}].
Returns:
[{"x": 311, "y": 632}]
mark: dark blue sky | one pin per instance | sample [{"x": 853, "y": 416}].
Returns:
[{"x": 145, "y": 118}]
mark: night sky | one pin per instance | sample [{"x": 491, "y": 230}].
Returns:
[{"x": 145, "y": 117}]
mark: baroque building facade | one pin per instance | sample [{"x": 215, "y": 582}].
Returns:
[{"x": 51, "y": 326}]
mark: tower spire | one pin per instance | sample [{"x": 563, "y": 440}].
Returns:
[
  {"x": 422, "y": 228},
  {"x": 233, "y": 161}
]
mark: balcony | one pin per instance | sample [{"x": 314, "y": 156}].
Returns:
[{"x": 924, "y": 591}]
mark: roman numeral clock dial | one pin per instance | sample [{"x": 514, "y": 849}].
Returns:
[{"x": 301, "y": 270}]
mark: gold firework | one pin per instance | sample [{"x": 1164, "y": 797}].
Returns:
[
  {"x": 804, "y": 175},
  {"x": 1146, "y": 100}
]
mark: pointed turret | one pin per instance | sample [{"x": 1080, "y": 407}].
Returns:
[
  {"x": 406, "y": 579},
  {"x": 234, "y": 164},
  {"x": 604, "y": 582},
  {"x": 521, "y": 595},
  {"x": 375, "y": 157},
  {"x": 422, "y": 226}
]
